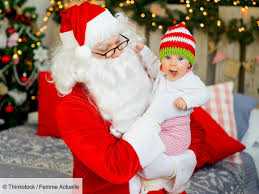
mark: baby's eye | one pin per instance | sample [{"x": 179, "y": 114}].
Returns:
[
  {"x": 168, "y": 57},
  {"x": 180, "y": 58}
]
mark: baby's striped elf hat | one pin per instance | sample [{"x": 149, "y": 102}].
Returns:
[{"x": 178, "y": 41}]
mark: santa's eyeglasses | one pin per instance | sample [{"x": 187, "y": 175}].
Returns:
[{"x": 121, "y": 46}]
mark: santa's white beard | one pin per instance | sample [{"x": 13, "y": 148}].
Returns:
[{"x": 121, "y": 89}]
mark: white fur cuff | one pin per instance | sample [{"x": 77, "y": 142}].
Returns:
[{"x": 144, "y": 137}]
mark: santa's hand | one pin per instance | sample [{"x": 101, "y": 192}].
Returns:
[
  {"x": 180, "y": 103},
  {"x": 139, "y": 47},
  {"x": 162, "y": 166}
]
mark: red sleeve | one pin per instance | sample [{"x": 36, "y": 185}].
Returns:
[{"x": 88, "y": 137}]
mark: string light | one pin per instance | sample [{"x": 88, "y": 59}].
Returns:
[
  {"x": 254, "y": 3},
  {"x": 190, "y": 10},
  {"x": 128, "y": 2},
  {"x": 153, "y": 15},
  {"x": 103, "y": 5},
  {"x": 15, "y": 56},
  {"x": 33, "y": 97},
  {"x": 201, "y": 8},
  {"x": 187, "y": 18},
  {"x": 242, "y": 29},
  {"x": 19, "y": 52},
  {"x": 45, "y": 19},
  {"x": 234, "y": 3},
  {"x": 183, "y": 23},
  {"x": 204, "y": 13},
  {"x": 218, "y": 23},
  {"x": 121, "y": 4},
  {"x": 38, "y": 43},
  {"x": 153, "y": 24},
  {"x": 160, "y": 27},
  {"x": 258, "y": 23},
  {"x": 188, "y": 5},
  {"x": 132, "y": 2},
  {"x": 202, "y": 25},
  {"x": 142, "y": 15},
  {"x": 19, "y": 40},
  {"x": 33, "y": 46},
  {"x": 1, "y": 11}
]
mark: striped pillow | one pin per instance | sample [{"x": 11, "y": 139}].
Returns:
[{"x": 221, "y": 108}]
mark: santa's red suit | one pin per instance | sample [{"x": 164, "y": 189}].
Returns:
[{"x": 105, "y": 163}]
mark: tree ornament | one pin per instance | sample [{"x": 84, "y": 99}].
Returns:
[
  {"x": 29, "y": 64},
  {"x": 18, "y": 96},
  {"x": 3, "y": 40},
  {"x": 16, "y": 59},
  {"x": 24, "y": 39},
  {"x": 24, "y": 79},
  {"x": 9, "y": 109},
  {"x": 3, "y": 89},
  {"x": 5, "y": 59},
  {"x": 11, "y": 30},
  {"x": 13, "y": 40},
  {"x": 40, "y": 54}
]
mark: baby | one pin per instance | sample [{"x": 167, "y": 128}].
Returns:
[{"x": 177, "y": 90}]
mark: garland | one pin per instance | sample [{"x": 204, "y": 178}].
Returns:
[{"x": 200, "y": 14}]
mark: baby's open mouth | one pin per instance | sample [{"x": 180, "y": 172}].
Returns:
[{"x": 173, "y": 72}]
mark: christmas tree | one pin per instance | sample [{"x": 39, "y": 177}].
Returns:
[{"x": 21, "y": 57}]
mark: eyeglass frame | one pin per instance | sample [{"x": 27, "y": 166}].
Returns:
[{"x": 114, "y": 49}]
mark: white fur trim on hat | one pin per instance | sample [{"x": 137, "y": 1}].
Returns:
[
  {"x": 101, "y": 28},
  {"x": 83, "y": 52}
]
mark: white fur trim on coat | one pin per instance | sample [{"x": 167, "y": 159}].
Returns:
[{"x": 144, "y": 137}]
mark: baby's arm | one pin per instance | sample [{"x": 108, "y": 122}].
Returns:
[
  {"x": 195, "y": 93},
  {"x": 149, "y": 59}
]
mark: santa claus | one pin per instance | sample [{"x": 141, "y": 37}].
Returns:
[{"x": 102, "y": 115}]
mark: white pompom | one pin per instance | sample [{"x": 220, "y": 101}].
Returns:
[{"x": 83, "y": 52}]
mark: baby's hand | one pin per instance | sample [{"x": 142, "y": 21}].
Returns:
[
  {"x": 139, "y": 47},
  {"x": 180, "y": 103}
]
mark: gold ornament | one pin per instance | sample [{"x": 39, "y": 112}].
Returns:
[
  {"x": 232, "y": 68},
  {"x": 3, "y": 89},
  {"x": 29, "y": 64}
]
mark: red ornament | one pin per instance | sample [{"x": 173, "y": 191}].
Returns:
[
  {"x": 5, "y": 59},
  {"x": 24, "y": 39},
  {"x": 11, "y": 30},
  {"x": 24, "y": 79},
  {"x": 8, "y": 10},
  {"x": 9, "y": 109}
]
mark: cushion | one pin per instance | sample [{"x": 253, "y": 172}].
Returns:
[
  {"x": 221, "y": 108},
  {"x": 210, "y": 142},
  {"x": 243, "y": 105},
  {"x": 48, "y": 100}
]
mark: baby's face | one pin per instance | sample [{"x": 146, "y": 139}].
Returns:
[{"x": 174, "y": 66}]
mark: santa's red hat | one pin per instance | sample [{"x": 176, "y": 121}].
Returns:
[{"x": 90, "y": 24}]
